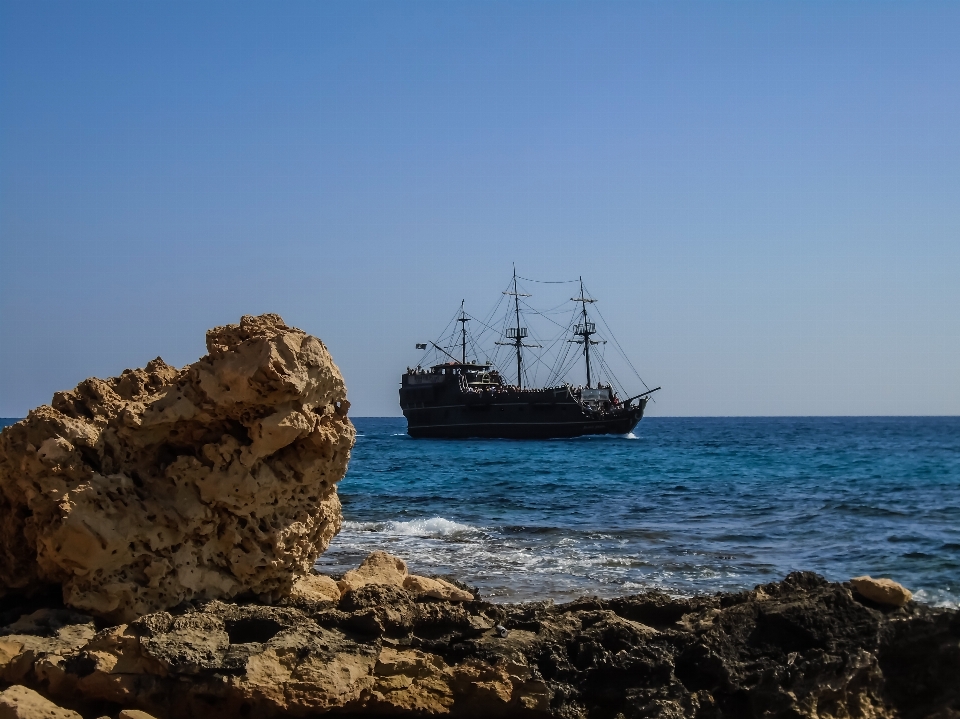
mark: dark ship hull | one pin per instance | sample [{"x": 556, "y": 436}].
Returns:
[{"x": 436, "y": 405}]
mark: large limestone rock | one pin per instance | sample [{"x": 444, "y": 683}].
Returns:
[{"x": 162, "y": 485}]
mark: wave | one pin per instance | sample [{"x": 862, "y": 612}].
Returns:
[{"x": 427, "y": 528}]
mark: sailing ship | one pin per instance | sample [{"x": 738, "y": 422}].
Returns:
[{"x": 460, "y": 398}]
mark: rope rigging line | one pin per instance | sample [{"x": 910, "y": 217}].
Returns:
[
  {"x": 623, "y": 354},
  {"x": 570, "y": 362},
  {"x": 548, "y": 282},
  {"x": 440, "y": 339},
  {"x": 611, "y": 376},
  {"x": 561, "y": 366},
  {"x": 542, "y": 315}
]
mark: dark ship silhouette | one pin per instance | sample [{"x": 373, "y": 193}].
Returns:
[{"x": 471, "y": 399}]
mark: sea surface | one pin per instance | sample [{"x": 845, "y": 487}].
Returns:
[{"x": 687, "y": 505}]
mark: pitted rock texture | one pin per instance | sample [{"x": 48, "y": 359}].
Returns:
[
  {"x": 159, "y": 486},
  {"x": 798, "y": 648}
]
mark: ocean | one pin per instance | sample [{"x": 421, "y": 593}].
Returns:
[{"x": 687, "y": 505}]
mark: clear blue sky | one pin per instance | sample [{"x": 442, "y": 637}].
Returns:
[{"x": 765, "y": 196}]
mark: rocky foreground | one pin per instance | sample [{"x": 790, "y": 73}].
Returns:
[{"x": 802, "y": 647}]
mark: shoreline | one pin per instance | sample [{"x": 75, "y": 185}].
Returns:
[
  {"x": 601, "y": 590},
  {"x": 799, "y": 645}
]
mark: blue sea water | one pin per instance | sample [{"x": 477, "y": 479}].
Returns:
[{"x": 686, "y": 505}]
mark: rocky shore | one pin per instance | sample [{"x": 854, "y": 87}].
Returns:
[
  {"x": 157, "y": 532},
  {"x": 802, "y": 647}
]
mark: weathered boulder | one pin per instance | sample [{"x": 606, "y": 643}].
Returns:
[
  {"x": 882, "y": 591},
  {"x": 386, "y": 569},
  {"x": 139, "y": 492}
]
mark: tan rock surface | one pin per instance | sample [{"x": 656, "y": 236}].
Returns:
[
  {"x": 386, "y": 569},
  {"x": 19, "y": 702},
  {"x": 882, "y": 591},
  {"x": 436, "y": 588},
  {"x": 162, "y": 485},
  {"x": 377, "y": 568},
  {"x": 281, "y": 661},
  {"x": 44, "y": 633},
  {"x": 316, "y": 588}
]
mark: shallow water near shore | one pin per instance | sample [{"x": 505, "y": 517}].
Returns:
[{"x": 688, "y": 505}]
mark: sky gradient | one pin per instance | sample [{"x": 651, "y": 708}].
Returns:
[{"x": 764, "y": 196}]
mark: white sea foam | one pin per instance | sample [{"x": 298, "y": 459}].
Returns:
[
  {"x": 433, "y": 527},
  {"x": 630, "y": 435},
  {"x": 938, "y": 598}
]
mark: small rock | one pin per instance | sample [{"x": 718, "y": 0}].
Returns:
[
  {"x": 378, "y": 568},
  {"x": 135, "y": 714},
  {"x": 479, "y": 623},
  {"x": 436, "y": 588},
  {"x": 882, "y": 591},
  {"x": 316, "y": 588},
  {"x": 19, "y": 702}
]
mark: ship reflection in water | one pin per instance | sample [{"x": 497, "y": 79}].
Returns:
[{"x": 458, "y": 398}]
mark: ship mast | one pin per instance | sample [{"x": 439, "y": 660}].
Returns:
[
  {"x": 585, "y": 329},
  {"x": 463, "y": 319},
  {"x": 517, "y": 333}
]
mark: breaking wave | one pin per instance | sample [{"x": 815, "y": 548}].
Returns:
[{"x": 433, "y": 527}]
